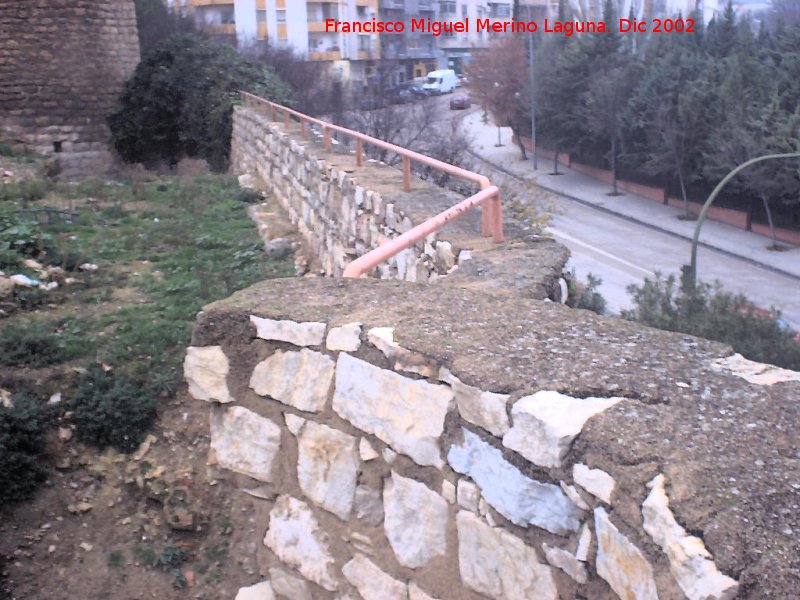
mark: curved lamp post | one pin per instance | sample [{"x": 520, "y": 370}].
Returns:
[{"x": 713, "y": 196}]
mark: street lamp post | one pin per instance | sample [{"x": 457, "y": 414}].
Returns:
[
  {"x": 531, "y": 64},
  {"x": 713, "y": 196}
]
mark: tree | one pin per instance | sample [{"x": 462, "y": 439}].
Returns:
[
  {"x": 156, "y": 23},
  {"x": 499, "y": 78},
  {"x": 670, "y": 112},
  {"x": 179, "y": 102}
]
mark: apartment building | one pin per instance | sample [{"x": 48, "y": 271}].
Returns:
[{"x": 298, "y": 24}]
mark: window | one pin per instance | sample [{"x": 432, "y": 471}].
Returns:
[
  {"x": 261, "y": 16},
  {"x": 464, "y": 11},
  {"x": 364, "y": 43},
  {"x": 281, "y": 15},
  {"x": 499, "y": 11},
  {"x": 447, "y": 7}
]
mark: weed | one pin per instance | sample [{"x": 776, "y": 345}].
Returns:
[
  {"x": 22, "y": 429},
  {"x": 225, "y": 526},
  {"x": 115, "y": 558},
  {"x": 112, "y": 410},
  {"x": 37, "y": 344},
  {"x": 144, "y": 553},
  {"x": 585, "y": 295}
]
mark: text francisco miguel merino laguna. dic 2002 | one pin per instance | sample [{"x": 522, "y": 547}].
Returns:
[{"x": 567, "y": 28}]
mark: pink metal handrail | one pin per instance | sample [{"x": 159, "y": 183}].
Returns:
[{"x": 491, "y": 215}]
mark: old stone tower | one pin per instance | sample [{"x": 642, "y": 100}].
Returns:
[{"x": 62, "y": 67}]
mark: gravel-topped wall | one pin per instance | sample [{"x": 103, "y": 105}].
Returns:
[
  {"x": 339, "y": 218},
  {"x": 397, "y": 464}
]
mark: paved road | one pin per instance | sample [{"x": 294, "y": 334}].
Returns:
[{"x": 622, "y": 252}]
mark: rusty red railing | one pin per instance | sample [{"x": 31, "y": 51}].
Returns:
[{"x": 489, "y": 197}]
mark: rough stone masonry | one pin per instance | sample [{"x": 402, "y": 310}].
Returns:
[
  {"x": 62, "y": 67},
  {"x": 417, "y": 441}
]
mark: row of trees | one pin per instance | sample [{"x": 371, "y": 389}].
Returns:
[{"x": 677, "y": 109}]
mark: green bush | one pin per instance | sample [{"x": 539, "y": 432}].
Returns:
[
  {"x": 708, "y": 311},
  {"x": 585, "y": 295},
  {"x": 179, "y": 102},
  {"x": 22, "y": 466},
  {"x": 36, "y": 344},
  {"x": 111, "y": 410}
]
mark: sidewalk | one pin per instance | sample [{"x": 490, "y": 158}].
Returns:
[{"x": 589, "y": 191}]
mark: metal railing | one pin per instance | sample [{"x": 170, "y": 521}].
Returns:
[{"x": 489, "y": 196}]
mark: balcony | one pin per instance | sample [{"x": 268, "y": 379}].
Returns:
[
  {"x": 195, "y": 3},
  {"x": 317, "y": 26},
  {"x": 220, "y": 29},
  {"x": 325, "y": 55}
]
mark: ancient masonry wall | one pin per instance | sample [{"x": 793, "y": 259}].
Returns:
[
  {"x": 386, "y": 477},
  {"x": 340, "y": 219},
  {"x": 62, "y": 68}
]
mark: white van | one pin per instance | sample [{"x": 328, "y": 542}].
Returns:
[{"x": 441, "y": 82}]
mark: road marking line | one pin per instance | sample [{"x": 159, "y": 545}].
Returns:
[{"x": 574, "y": 240}]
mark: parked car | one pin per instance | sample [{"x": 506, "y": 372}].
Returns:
[
  {"x": 410, "y": 92},
  {"x": 460, "y": 102}
]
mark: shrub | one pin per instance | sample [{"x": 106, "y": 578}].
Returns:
[
  {"x": 707, "y": 311},
  {"x": 112, "y": 411},
  {"x": 180, "y": 100},
  {"x": 585, "y": 295},
  {"x": 22, "y": 429},
  {"x": 33, "y": 344}
]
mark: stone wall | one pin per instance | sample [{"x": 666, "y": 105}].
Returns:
[
  {"x": 339, "y": 217},
  {"x": 490, "y": 449},
  {"x": 62, "y": 66}
]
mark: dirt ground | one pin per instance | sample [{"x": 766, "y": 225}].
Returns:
[{"x": 101, "y": 521}]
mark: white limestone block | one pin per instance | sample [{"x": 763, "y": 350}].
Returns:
[
  {"x": 300, "y": 379},
  {"x": 368, "y": 506},
  {"x": 561, "y": 559},
  {"x": 346, "y": 338},
  {"x": 293, "y": 423},
  {"x": 383, "y": 339},
  {"x": 244, "y": 442},
  {"x": 690, "y": 562},
  {"x": 259, "y": 591},
  {"x": 468, "y": 495},
  {"x": 402, "y": 359},
  {"x": 405, "y": 413},
  {"x": 417, "y": 593},
  {"x": 484, "y": 409},
  {"x": 621, "y": 563},
  {"x": 287, "y": 585},
  {"x": 371, "y": 582},
  {"x": 366, "y": 451},
  {"x": 448, "y": 491},
  {"x": 327, "y": 467},
  {"x": 584, "y": 543},
  {"x": 573, "y": 495},
  {"x": 595, "y": 481},
  {"x": 294, "y": 535},
  {"x": 520, "y": 499},
  {"x": 494, "y": 562},
  {"x": 415, "y": 521},
  {"x": 546, "y": 423},
  {"x": 299, "y": 334},
  {"x": 205, "y": 369},
  {"x": 754, "y": 372}
]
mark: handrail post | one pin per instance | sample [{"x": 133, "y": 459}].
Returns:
[
  {"x": 272, "y": 112},
  {"x": 406, "y": 174},
  {"x": 303, "y": 130},
  {"x": 286, "y": 120},
  {"x": 497, "y": 213},
  {"x": 359, "y": 152},
  {"x": 326, "y": 138},
  {"x": 486, "y": 219}
]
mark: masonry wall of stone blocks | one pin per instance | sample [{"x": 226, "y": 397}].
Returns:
[
  {"x": 388, "y": 477},
  {"x": 62, "y": 68},
  {"x": 340, "y": 219}
]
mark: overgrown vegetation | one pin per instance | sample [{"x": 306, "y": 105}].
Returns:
[
  {"x": 163, "y": 248},
  {"x": 179, "y": 102},
  {"x": 112, "y": 411},
  {"x": 22, "y": 429},
  {"x": 708, "y": 311},
  {"x": 586, "y": 295}
]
